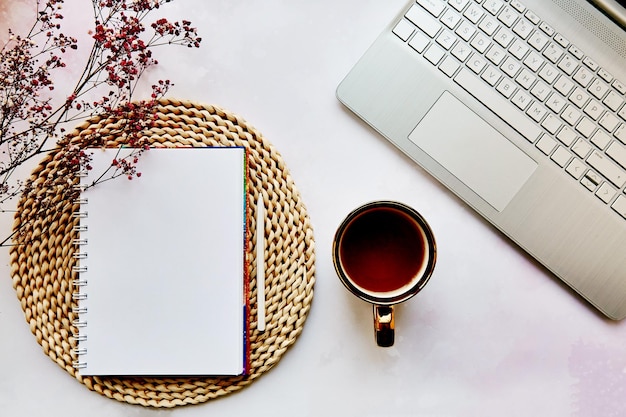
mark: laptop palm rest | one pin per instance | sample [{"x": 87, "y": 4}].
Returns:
[{"x": 465, "y": 145}]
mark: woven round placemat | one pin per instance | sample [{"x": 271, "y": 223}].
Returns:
[{"x": 41, "y": 265}]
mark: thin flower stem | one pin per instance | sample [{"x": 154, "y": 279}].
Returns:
[{"x": 31, "y": 125}]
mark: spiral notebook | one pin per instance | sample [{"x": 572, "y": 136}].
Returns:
[{"x": 161, "y": 270}]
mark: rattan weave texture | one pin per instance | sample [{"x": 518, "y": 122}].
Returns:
[{"x": 41, "y": 267}]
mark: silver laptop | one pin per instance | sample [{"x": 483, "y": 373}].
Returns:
[{"x": 519, "y": 109}]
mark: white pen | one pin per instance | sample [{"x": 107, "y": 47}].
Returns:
[{"x": 260, "y": 263}]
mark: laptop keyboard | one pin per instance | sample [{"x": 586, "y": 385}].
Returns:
[{"x": 532, "y": 77}]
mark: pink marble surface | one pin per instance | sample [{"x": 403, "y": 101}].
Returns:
[{"x": 493, "y": 334}]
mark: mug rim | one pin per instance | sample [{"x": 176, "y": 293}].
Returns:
[{"x": 419, "y": 283}]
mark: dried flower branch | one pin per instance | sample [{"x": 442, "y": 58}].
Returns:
[{"x": 31, "y": 123}]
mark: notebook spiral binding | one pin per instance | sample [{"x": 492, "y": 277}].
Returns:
[{"x": 79, "y": 281}]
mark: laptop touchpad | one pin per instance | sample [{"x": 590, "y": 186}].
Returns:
[{"x": 473, "y": 151}]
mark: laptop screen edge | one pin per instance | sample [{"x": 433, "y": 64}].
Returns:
[{"x": 614, "y": 9}]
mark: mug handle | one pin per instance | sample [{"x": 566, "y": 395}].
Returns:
[{"x": 384, "y": 325}]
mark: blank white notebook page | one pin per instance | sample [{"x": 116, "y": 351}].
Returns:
[{"x": 165, "y": 265}]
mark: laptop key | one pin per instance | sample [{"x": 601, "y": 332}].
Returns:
[
  {"x": 536, "y": 111},
  {"x": 607, "y": 168},
  {"x": 608, "y": 121},
  {"x": 504, "y": 37},
  {"x": 493, "y": 6},
  {"x": 540, "y": 91},
  {"x": 495, "y": 55},
  {"x": 619, "y": 86},
  {"x": 419, "y": 42},
  {"x": 605, "y": 75},
  {"x": 434, "y": 54},
  {"x": 548, "y": 73},
  {"x": 446, "y": 39},
  {"x": 618, "y": 153},
  {"x": 506, "y": 87},
  {"x": 561, "y": 40},
  {"x": 620, "y": 133},
  {"x": 403, "y": 30},
  {"x": 461, "y": 51},
  {"x": 510, "y": 67},
  {"x": 480, "y": 42},
  {"x": 532, "y": 17},
  {"x": 551, "y": 123},
  {"x": 488, "y": 25},
  {"x": 590, "y": 63},
  {"x": 582, "y": 148},
  {"x": 521, "y": 99},
  {"x": 449, "y": 66},
  {"x": 583, "y": 77},
  {"x": 594, "y": 110},
  {"x": 570, "y": 115},
  {"x": 491, "y": 75},
  {"x": 518, "y": 6},
  {"x": 423, "y": 20},
  {"x": 523, "y": 28},
  {"x": 434, "y": 7},
  {"x": 553, "y": 53},
  {"x": 473, "y": 13},
  {"x": 549, "y": 30},
  {"x": 591, "y": 180},
  {"x": 458, "y": 4},
  {"x": 450, "y": 19},
  {"x": 508, "y": 16},
  {"x": 546, "y": 144},
  {"x": 476, "y": 63},
  {"x": 537, "y": 40},
  {"x": 555, "y": 103},
  {"x": 567, "y": 136},
  {"x": 620, "y": 206},
  {"x": 465, "y": 30},
  {"x": 561, "y": 156},
  {"x": 605, "y": 193},
  {"x": 600, "y": 139},
  {"x": 613, "y": 100},
  {"x": 576, "y": 52},
  {"x": 585, "y": 127},
  {"x": 598, "y": 89},
  {"x": 564, "y": 85},
  {"x": 576, "y": 168}
]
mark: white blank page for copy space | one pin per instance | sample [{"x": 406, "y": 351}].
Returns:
[{"x": 165, "y": 259}]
